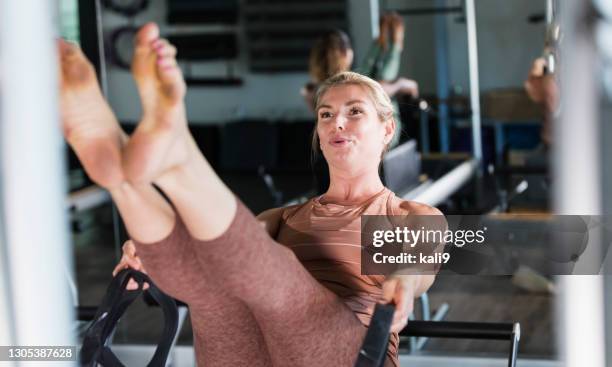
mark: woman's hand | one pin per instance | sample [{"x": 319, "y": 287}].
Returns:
[
  {"x": 541, "y": 87},
  {"x": 408, "y": 86},
  {"x": 400, "y": 290},
  {"x": 397, "y": 30},
  {"x": 129, "y": 259},
  {"x": 401, "y": 86},
  {"x": 383, "y": 33}
]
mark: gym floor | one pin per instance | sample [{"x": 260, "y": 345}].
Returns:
[{"x": 471, "y": 298}]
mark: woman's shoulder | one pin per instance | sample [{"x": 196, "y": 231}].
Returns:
[
  {"x": 291, "y": 210},
  {"x": 419, "y": 215},
  {"x": 406, "y": 207}
]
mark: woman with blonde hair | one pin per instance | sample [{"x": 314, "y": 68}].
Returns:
[{"x": 288, "y": 293}]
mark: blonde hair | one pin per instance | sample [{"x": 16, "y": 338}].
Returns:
[
  {"x": 326, "y": 55},
  {"x": 382, "y": 102}
]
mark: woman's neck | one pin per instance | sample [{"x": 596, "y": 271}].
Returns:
[{"x": 352, "y": 187}]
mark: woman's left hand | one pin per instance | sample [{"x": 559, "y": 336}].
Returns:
[{"x": 399, "y": 289}]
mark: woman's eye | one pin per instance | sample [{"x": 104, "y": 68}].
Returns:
[
  {"x": 355, "y": 111},
  {"x": 325, "y": 115}
]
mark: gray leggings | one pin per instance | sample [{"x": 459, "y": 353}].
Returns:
[{"x": 251, "y": 301}]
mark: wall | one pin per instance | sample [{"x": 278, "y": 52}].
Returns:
[
  {"x": 269, "y": 96},
  {"x": 507, "y": 43}
]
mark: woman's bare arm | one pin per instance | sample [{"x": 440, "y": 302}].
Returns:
[
  {"x": 422, "y": 282},
  {"x": 400, "y": 86}
]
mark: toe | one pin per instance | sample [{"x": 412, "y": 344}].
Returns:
[
  {"x": 147, "y": 34},
  {"x": 143, "y": 62},
  {"x": 164, "y": 49},
  {"x": 76, "y": 69},
  {"x": 172, "y": 84},
  {"x": 67, "y": 49},
  {"x": 168, "y": 71}
]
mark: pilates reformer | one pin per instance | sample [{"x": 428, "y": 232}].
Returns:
[{"x": 96, "y": 348}]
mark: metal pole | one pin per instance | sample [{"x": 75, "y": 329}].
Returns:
[
  {"x": 363, "y": 24},
  {"x": 424, "y": 124},
  {"x": 470, "y": 16},
  {"x": 549, "y": 11},
  {"x": 7, "y": 331},
  {"x": 33, "y": 176},
  {"x": 430, "y": 11},
  {"x": 446, "y": 185},
  {"x": 577, "y": 182},
  {"x": 442, "y": 78}
]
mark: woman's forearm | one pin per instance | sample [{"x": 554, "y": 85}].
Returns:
[
  {"x": 391, "y": 88},
  {"x": 391, "y": 61},
  {"x": 425, "y": 282},
  {"x": 420, "y": 283}
]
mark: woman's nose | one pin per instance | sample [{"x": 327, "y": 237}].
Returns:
[{"x": 340, "y": 122}]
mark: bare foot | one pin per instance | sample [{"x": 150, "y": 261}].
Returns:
[
  {"x": 161, "y": 140},
  {"x": 88, "y": 122}
]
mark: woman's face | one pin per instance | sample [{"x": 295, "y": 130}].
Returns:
[{"x": 351, "y": 135}]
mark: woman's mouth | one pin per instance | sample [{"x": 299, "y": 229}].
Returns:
[{"x": 339, "y": 142}]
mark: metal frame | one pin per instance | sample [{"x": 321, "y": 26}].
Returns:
[
  {"x": 470, "y": 17},
  {"x": 433, "y": 193},
  {"x": 510, "y": 333},
  {"x": 578, "y": 181},
  {"x": 7, "y": 332},
  {"x": 418, "y": 342},
  {"x": 35, "y": 225},
  {"x": 440, "y": 11},
  {"x": 91, "y": 42},
  {"x": 442, "y": 77}
]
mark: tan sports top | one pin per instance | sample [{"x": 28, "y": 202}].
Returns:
[{"x": 326, "y": 238}]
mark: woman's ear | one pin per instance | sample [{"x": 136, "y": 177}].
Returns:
[{"x": 389, "y": 130}]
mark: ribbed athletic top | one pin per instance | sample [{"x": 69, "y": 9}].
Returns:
[{"x": 326, "y": 238}]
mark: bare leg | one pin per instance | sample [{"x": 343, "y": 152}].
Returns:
[
  {"x": 162, "y": 150},
  {"x": 93, "y": 132},
  {"x": 223, "y": 326}
]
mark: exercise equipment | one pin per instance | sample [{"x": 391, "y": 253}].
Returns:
[
  {"x": 374, "y": 347},
  {"x": 510, "y": 332},
  {"x": 401, "y": 167},
  {"x": 375, "y": 344},
  {"x": 95, "y": 350}
]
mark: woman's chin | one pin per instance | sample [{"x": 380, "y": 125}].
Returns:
[
  {"x": 342, "y": 160},
  {"x": 338, "y": 155}
]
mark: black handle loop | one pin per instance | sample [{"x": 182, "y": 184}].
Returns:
[
  {"x": 375, "y": 344},
  {"x": 117, "y": 299}
]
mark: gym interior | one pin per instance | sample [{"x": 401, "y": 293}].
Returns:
[{"x": 502, "y": 110}]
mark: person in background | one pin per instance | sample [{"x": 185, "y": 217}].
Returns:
[
  {"x": 382, "y": 62},
  {"x": 542, "y": 89}
]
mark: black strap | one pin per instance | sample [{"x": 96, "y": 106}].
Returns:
[
  {"x": 375, "y": 344},
  {"x": 117, "y": 299}
]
